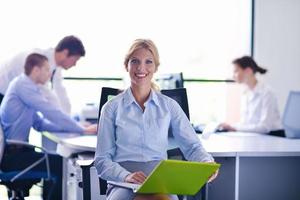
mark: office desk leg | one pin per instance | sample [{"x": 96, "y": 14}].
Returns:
[
  {"x": 86, "y": 182},
  {"x": 237, "y": 178},
  {"x": 90, "y": 183},
  {"x": 65, "y": 179}
]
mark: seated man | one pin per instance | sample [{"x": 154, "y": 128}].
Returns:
[{"x": 23, "y": 107}]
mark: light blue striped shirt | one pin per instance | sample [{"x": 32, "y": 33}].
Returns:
[
  {"x": 24, "y": 107},
  {"x": 126, "y": 133}
]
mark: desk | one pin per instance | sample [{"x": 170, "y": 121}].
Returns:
[
  {"x": 254, "y": 166},
  {"x": 74, "y": 147}
]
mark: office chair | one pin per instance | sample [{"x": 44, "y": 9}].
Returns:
[
  {"x": 19, "y": 183},
  {"x": 106, "y": 94},
  {"x": 178, "y": 95}
]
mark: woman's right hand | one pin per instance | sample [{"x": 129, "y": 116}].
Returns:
[
  {"x": 136, "y": 177},
  {"x": 227, "y": 127}
]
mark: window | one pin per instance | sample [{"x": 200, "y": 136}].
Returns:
[{"x": 198, "y": 37}]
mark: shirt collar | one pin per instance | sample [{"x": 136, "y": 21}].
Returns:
[
  {"x": 51, "y": 58},
  {"x": 258, "y": 89},
  {"x": 29, "y": 81},
  {"x": 50, "y": 54},
  {"x": 26, "y": 78},
  {"x": 129, "y": 98}
]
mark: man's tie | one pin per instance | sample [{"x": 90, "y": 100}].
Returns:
[{"x": 52, "y": 76}]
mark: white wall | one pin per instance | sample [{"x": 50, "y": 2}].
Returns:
[{"x": 277, "y": 44}]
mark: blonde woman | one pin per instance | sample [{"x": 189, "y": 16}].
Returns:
[{"x": 133, "y": 137}]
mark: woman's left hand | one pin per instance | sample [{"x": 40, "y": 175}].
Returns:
[{"x": 214, "y": 176}]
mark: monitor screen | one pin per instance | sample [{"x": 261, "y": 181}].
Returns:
[
  {"x": 292, "y": 115},
  {"x": 110, "y": 97},
  {"x": 170, "y": 81}
]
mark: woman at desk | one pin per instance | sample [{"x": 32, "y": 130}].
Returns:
[
  {"x": 259, "y": 111},
  {"x": 133, "y": 137}
]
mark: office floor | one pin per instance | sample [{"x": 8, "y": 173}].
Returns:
[{"x": 35, "y": 193}]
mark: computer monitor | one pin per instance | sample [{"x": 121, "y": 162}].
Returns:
[
  {"x": 170, "y": 81},
  {"x": 291, "y": 115}
]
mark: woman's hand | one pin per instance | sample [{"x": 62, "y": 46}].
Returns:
[
  {"x": 136, "y": 177},
  {"x": 152, "y": 197},
  {"x": 214, "y": 176},
  {"x": 90, "y": 129},
  {"x": 227, "y": 127}
]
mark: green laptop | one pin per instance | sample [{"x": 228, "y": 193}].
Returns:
[{"x": 174, "y": 177}]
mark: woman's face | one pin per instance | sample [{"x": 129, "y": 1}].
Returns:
[
  {"x": 141, "y": 67},
  {"x": 239, "y": 74}
]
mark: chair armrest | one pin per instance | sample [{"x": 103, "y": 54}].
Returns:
[
  {"x": 44, "y": 158},
  {"x": 85, "y": 163},
  {"x": 18, "y": 142}
]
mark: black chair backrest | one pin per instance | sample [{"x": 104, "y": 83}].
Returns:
[
  {"x": 106, "y": 92},
  {"x": 180, "y": 96}
]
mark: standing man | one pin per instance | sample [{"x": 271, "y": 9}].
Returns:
[{"x": 65, "y": 55}]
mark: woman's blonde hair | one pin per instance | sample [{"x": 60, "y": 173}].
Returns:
[{"x": 144, "y": 44}]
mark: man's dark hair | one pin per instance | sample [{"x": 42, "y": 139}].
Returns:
[
  {"x": 34, "y": 60},
  {"x": 72, "y": 44}
]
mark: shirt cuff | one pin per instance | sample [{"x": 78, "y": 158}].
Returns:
[
  {"x": 123, "y": 175},
  {"x": 209, "y": 159}
]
